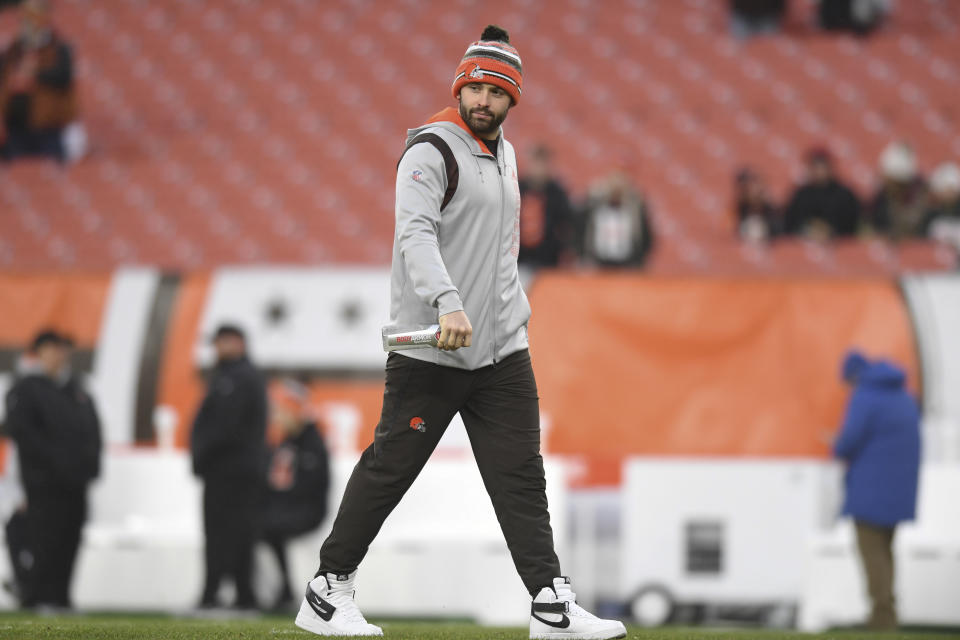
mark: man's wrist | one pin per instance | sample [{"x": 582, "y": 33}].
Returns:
[{"x": 449, "y": 302}]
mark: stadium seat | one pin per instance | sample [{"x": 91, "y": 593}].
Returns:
[{"x": 242, "y": 132}]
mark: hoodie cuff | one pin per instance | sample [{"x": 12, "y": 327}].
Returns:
[{"x": 448, "y": 302}]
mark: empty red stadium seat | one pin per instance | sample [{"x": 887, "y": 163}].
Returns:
[{"x": 233, "y": 131}]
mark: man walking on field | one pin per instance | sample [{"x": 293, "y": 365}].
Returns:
[{"x": 455, "y": 259}]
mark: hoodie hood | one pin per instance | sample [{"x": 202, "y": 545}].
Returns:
[
  {"x": 883, "y": 374},
  {"x": 450, "y": 119},
  {"x": 854, "y": 363}
]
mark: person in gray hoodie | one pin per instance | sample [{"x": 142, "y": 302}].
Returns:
[{"x": 455, "y": 254}]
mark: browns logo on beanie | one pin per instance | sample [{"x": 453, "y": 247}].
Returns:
[{"x": 492, "y": 60}]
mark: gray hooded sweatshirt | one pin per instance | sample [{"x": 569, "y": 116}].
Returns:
[{"x": 464, "y": 258}]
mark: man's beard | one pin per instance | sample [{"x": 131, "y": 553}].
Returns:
[{"x": 480, "y": 128}]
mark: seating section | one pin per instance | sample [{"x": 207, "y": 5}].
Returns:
[{"x": 231, "y": 131}]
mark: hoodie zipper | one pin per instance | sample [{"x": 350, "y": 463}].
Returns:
[
  {"x": 496, "y": 254},
  {"x": 497, "y": 237},
  {"x": 496, "y": 262}
]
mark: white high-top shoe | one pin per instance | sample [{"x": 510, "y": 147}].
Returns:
[
  {"x": 556, "y": 614},
  {"x": 328, "y": 608}
]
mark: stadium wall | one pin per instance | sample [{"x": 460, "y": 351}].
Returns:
[
  {"x": 627, "y": 365},
  {"x": 715, "y": 378}
]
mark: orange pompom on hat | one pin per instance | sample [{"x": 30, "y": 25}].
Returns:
[{"x": 492, "y": 60}]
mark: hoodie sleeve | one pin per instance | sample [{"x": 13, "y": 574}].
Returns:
[
  {"x": 22, "y": 419},
  {"x": 421, "y": 183},
  {"x": 855, "y": 427}
]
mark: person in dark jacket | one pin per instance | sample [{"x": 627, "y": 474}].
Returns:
[
  {"x": 54, "y": 423},
  {"x": 880, "y": 443},
  {"x": 859, "y": 16},
  {"x": 19, "y": 551},
  {"x": 756, "y": 17},
  {"x": 822, "y": 207},
  {"x": 297, "y": 480},
  {"x": 228, "y": 447},
  {"x": 37, "y": 90},
  {"x": 545, "y": 214}
]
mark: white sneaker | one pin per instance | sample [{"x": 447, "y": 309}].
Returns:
[
  {"x": 328, "y": 608},
  {"x": 556, "y": 614}
]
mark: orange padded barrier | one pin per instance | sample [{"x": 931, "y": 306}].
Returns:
[
  {"x": 72, "y": 303},
  {"x": 365, "y": 395},
  {"x": 628, "y": 365}
]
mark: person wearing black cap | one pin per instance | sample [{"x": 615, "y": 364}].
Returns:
[
  {"x": 228, "y": 448},
  {"x": 55, "y": 426},
  {"x": 823, "y": 207}
]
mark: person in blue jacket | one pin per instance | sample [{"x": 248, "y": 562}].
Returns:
[{"x": 880, "y": 443}]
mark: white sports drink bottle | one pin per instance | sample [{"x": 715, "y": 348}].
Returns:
[{"x": 416, "y": 337}]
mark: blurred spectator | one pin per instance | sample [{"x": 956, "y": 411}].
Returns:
[
  {"x": 901, "y": 201},
  {"x": 297, "y": 480},
  {"x": 757, "y": 218},
  {"x": 16, "y": 532},
  {"x": 756, "y": 17},
  {"x": 617, "y": 231},
  {"x": 37, "y": 96},
  {"x": 880, "y": 443},
  {"x": 859, "y": 16},
  {"x": 545, "y": 216},
  {"x": 13, "y": 502},
  {"x": 942, "y": 219},
  {"x": 229, "y": 451},
  {"x": 822, "y": 207},
  {"x": 54, "y": 424}
]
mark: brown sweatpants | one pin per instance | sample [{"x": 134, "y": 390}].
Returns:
[
  {"x": 876, "y": 552},
  {"x": 500, "y": 410}
]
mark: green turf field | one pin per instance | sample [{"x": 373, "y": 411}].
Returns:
[{"x": 20, "y": 626}]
